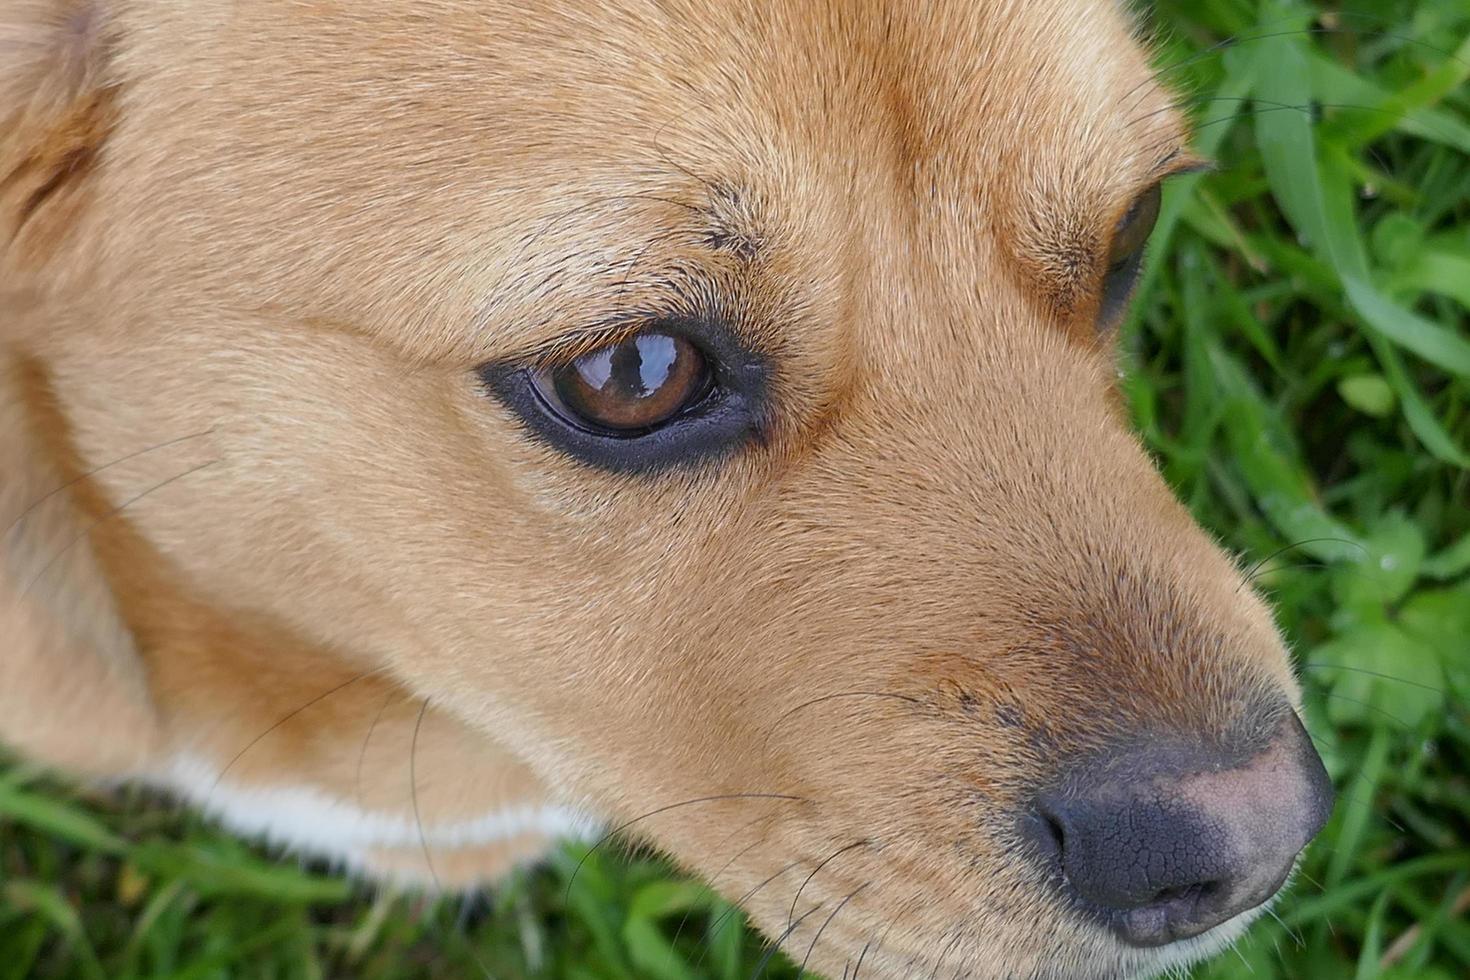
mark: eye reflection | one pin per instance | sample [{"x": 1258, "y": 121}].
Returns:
[{"x": 632, "y": 385}]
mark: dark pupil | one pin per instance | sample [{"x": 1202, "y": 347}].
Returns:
[{"x": 630, "y": 385}]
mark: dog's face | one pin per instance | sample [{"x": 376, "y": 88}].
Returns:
[{"x": 713, "y": 403}]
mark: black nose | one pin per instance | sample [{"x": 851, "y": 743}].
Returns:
[{"x": 1170, "y": 840}]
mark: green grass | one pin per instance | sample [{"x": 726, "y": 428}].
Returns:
[{"x": 1300, "y": 365}]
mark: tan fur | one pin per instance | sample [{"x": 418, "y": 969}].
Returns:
[{"x": 275, "y": 239}]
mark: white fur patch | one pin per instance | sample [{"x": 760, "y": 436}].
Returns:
[{"x": 307, "y": 819}]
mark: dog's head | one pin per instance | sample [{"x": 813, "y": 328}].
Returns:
[{"x": 714, "y": 403}]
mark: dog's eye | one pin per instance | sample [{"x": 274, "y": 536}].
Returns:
[
  {"x": 1134, "y": 228},
  {"x": 1125, "y": 253},
  {"x": 628, "y": 388},
  {"x": 677, "y": 392}
]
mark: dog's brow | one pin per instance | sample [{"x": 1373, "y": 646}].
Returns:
[{"x": 564, "y": 301}]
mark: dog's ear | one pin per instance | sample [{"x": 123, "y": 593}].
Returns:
[
  {"x": 73, "y": 691},
  {"x": 57, "y": 106}
]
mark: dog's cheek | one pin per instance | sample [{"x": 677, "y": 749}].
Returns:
[{"x": 70, "y": 663}]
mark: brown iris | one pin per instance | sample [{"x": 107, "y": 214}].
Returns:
[
  {"x": 631, "y": 386},
  {"x": 1134, "y": 228}
]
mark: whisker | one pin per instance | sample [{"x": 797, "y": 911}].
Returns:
[
  {"x": 362, "y": 753},
  {"x": 1316, "y": 665},
  {"x": 883, "y": 938},
  {"x": 1297, "y": 544},
  {"x": 89, "y": 528},
  {"x": 765, "y": 961},
  {"x": 1306, "y": 108},
  {"x": 96, "y": 470},
  {"x": 674, "y": 806},
  {"x": 824, "y": 862},
  {"x": 1371, "y": 707},
  {"x": 1235, "y": 948},
  {"x": 710, "y": 186},
  {"x": 684, "y": 919},
  {"x": 1343, "y": 796},
  {"x": 1295, "y": 566},
  {"x": 552, "y": 221},
  {"x": 283, "y": 720},
  {"x": 801, "y": 972},
  {"x": 679, "y": 931},
  {"x": 725, "y": 916},
  {"x": 413, "y": 791},
  {"x": 1223, "y": 44},
  {"x": 561, "y": 216},
  {"x": 1295, "y": 936},
  {"x": 1236, "y": 40},
  {"x": 945, "y": 954}
]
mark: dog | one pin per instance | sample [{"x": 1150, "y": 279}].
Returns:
[{"x": 432, "y": 430}]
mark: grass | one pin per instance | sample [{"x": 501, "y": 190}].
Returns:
[{"x": 1299, "y": 363}]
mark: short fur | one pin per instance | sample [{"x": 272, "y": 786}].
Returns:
[{"x": 269, "y": 541}]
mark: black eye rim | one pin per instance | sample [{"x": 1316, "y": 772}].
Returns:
[
  {"x": 731, "y": 413},
  {"x": 544, "y": 385}
]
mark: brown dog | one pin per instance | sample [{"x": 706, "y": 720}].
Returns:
[{"x": 430, "y": 429}]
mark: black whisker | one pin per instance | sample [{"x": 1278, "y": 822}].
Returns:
[
  {"x": 765, "y": 961},
  {"x": 1371, "y": 707},
  {"x": 674, "y": 806},
  {"x": 710, "y": 186},
  {"x": 413, "y": 790},
  {"x": 362, "y": 753},
  {"x": 892, "y": 921},
  {"x": 725, "y": 916},
  {"x": 822, "y": 864},
  {"x": 1296, "y": 544},
  {"x": 945, "y": 953},
  {"x": 1306, "y": 108},
  {"x": 801, "y": 972},
  {"x": 1295, "y": 566},
  {"x": 94, "y": 471},
  {"x": 283, "y": 720},
  {"x": 1236, "y": 40},
  {"x": 92, "y": 526},
  {"x": 684, "y": 921},
  {"x": 1373, "y": 673}
]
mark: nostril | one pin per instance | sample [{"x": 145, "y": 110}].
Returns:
[
  {"x": 1175, "y": 894},
  {"x": 1166, "y": 842},
  {"x": 1057, "y": 834},
  {"x": 1047, "y": 838},
  {"x": 1182, "y": 894}
]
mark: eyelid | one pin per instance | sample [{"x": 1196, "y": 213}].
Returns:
[
  {"x": 1180, "y": 163},
  {"x": 565, "y": 348}
]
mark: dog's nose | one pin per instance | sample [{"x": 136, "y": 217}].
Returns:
[{"x": 1168, "y": 841}]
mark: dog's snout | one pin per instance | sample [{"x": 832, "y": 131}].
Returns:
[{"x": 1167, "y": 842}]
